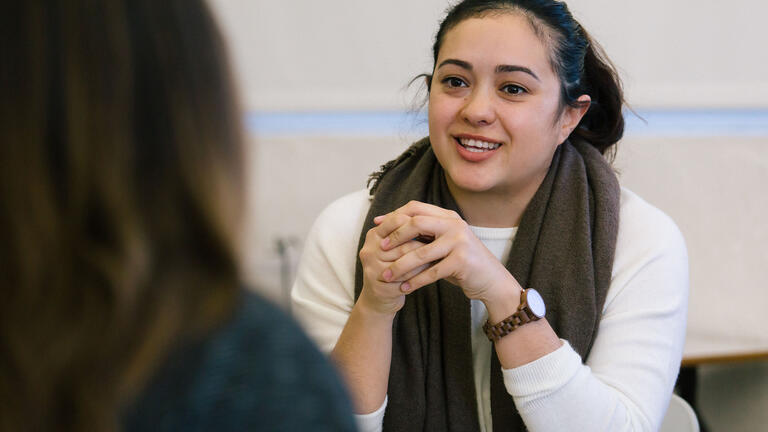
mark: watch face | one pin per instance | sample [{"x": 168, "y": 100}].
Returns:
[{"x": 535, "y": 302}]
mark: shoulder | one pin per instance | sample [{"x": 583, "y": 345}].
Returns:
[
  {"x": 258, "y": 326},
  {"x": 333, "y": 239},
  {"x": 645, "y": 228},
  {"x": 258, "y": 370},
  {"x": 345, "y": 214},
  {"x": 650, "y": 251}
]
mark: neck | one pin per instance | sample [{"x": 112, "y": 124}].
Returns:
[{"x": 493, "y": 208}]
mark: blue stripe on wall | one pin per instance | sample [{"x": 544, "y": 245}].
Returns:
[
  {"x": 336, "y": 122},
  {"x": 677, "y": 123}
]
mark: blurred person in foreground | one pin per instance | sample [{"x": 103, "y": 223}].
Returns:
[{"x": 121, "y": 191}]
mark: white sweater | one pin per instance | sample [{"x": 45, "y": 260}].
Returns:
[{"x": 626, "y": 382}]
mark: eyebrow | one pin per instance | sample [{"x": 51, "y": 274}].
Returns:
[
  {"x": 499, "y": 68},
  {"x": 459, "y": 63},
  {"x": 515, "y": 68}
]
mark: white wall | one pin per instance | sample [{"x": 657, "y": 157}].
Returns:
[
  {"x": 358, "y": 54},
  {"x": 713, "y": 188}
]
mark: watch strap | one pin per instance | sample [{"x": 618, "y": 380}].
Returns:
[
  {"x": 506, "y": 326},
  {"x": 510, "y": 323}
]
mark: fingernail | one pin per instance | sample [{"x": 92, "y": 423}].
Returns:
[
  {"x": 387, "y": 275},
  {"x": 385, "y": 242},
  {"x": 377, "y": 220},
  {"x": 405, "y": 287}
]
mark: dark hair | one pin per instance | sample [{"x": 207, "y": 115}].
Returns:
[
  {"x": 579, "y": 62},
  {"x": 120, "y": 198}
]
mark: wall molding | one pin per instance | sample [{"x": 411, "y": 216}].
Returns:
[{"x": 647, "y": 122}]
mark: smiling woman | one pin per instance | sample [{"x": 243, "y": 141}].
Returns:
[{"x": 437, "y": 325}]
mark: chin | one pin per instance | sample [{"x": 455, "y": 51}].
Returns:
[{"x": 473, "y": 185}]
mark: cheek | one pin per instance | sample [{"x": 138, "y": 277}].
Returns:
[
  {"x": 545, "y": 123},
  {"x": 533, "y": 133},
  {"x": 441, "y": 110}
]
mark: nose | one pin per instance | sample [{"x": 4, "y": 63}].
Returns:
[{"x": 478, "y": 109}]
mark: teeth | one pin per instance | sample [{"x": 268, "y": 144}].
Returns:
[{"x": 477, "y": 146}]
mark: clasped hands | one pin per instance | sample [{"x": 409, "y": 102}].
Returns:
[{"x": 396, "y": 262}]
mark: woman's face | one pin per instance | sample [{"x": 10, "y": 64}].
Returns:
[{"x": 493, "y": 107}]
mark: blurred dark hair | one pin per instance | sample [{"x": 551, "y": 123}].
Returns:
[
  {"x": 120, "y": 200},
  {"x": 579, "y": 62}
]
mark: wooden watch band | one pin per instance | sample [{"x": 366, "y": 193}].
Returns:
[{"x": 506, "y": 326}]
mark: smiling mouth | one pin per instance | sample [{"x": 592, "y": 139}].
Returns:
[{"x": 477, "y": 146}]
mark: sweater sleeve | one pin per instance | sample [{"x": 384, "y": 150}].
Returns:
[
  {"x": 627, "y": 380},
  {"x": 324, "y": 292}
]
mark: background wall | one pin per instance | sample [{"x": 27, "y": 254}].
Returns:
[
  {"x": 324, "y": 87},
  {"x": 358, "y": 54}
]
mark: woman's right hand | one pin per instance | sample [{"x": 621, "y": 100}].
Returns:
[
  {"x": 378, "y": 295},
  {"x": 363, "y": 352}
]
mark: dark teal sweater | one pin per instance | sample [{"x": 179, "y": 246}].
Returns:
[{"x": 258, "y": 371}]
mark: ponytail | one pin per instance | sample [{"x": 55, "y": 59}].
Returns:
[{"x": 603, "y": 124}]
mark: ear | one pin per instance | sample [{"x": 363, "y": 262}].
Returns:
[{"x": 572, "y": 116}]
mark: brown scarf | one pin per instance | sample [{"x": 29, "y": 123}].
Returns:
[{"x": 564, "y": 248}]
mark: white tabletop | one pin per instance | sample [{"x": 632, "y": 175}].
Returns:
[{"x": 709, "y": 347}]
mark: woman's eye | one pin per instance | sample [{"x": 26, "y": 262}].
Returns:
[
  {"x": 513, "y": 89},
  {"x": 454, "y": 82}
]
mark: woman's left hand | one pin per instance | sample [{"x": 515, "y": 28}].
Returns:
[{"x": 455, "y": 254}]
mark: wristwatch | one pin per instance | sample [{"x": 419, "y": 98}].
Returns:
[{"x": 531, "y": 309}]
